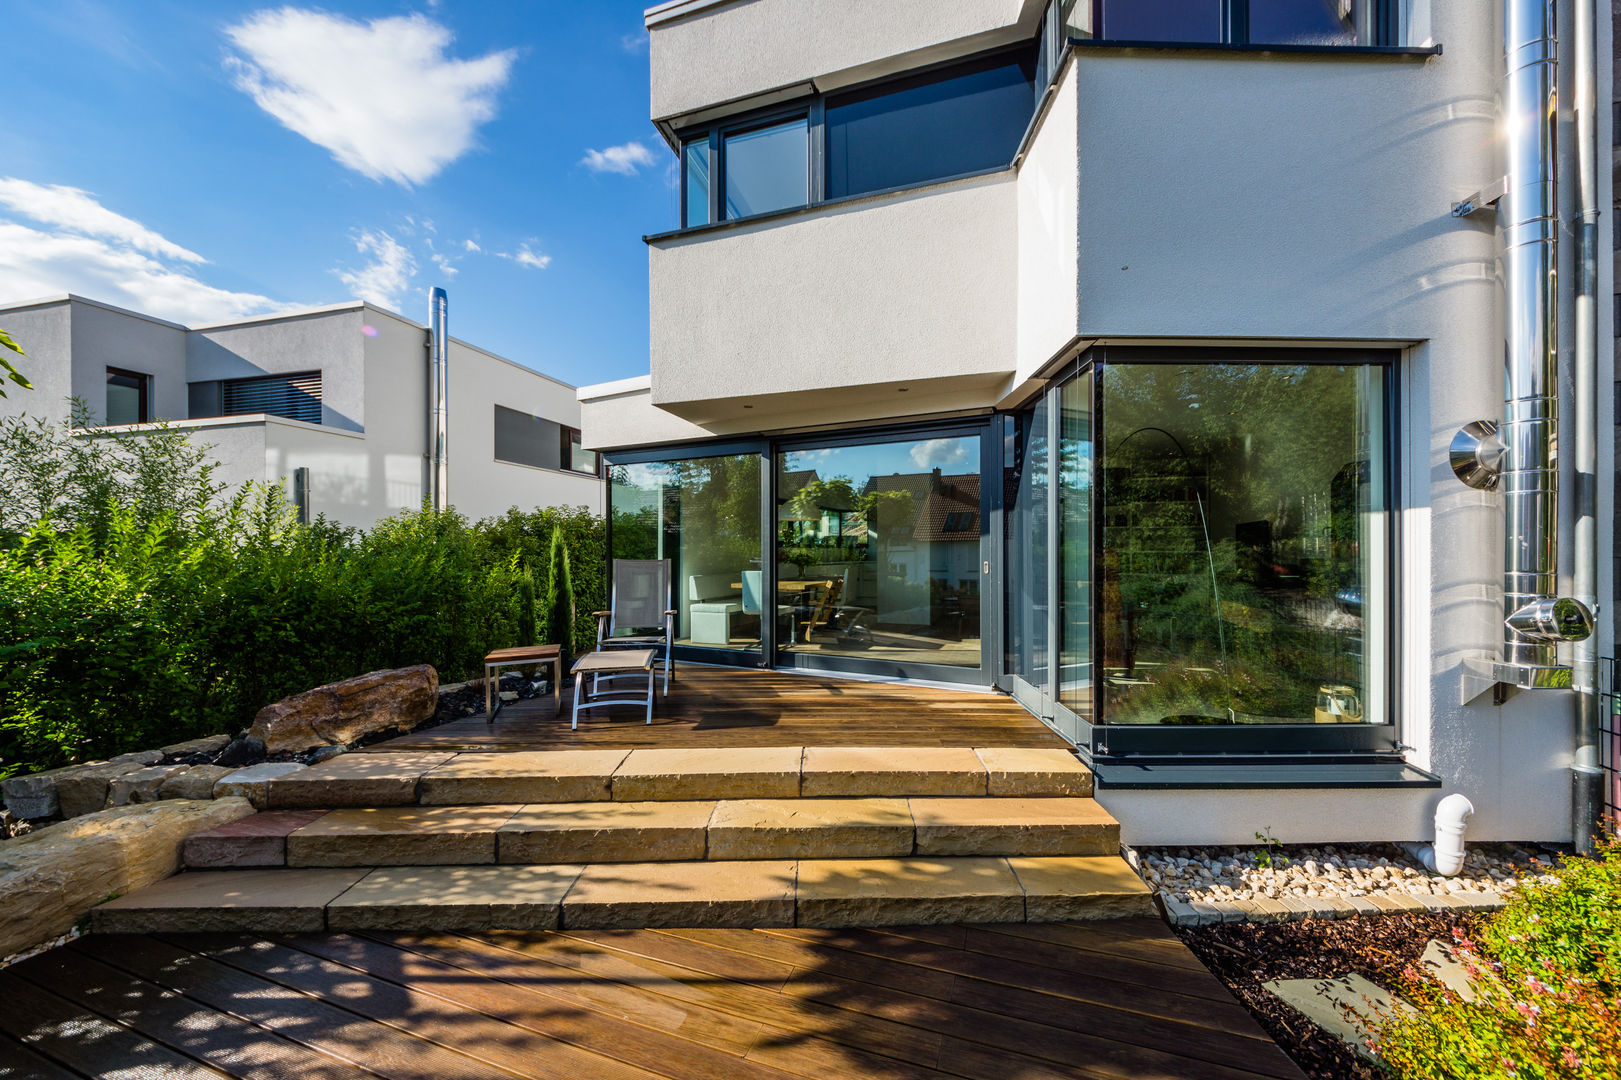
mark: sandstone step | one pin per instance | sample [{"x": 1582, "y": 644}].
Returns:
[
  {"x": 388, "y": 778},
  {"x": 746, "y": 893},
  {"x": 660, "y": 831}
]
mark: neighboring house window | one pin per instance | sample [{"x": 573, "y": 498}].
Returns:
[
  {"x": 953, "y": 120},
  {"x": 127, "y": 397},
  {"x": 1244, "y": 22},
  {"x": 522, "y": 439},
  {"x": 295, "y": 397}
]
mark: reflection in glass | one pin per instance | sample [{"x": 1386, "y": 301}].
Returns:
[
  {"x": 1160, "y": 20},
  {"x": 703, "y": 514},
  {"x": 1244, "y": 565},
  {"x": 695, "y": 171},
  {"x": 1075, "y": 545},
  {"x": 126, "y": 398},
  {"x": 1303, "y": 22},
  {"x": 1029, "y": 611},
  {"x": 878, "y": 550},
  {"x": 767, "y": 168}
]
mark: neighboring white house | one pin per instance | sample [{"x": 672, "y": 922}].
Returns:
[
  {"x": 331, "y": 401},
  {"x": 1182, "y": 287}
]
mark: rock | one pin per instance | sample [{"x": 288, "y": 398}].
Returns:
[
  {"x": 83, "y": 788},
  {"x": 140, "y": 786},
  {"x": 249, "y": 783},
  {"x": 140, "y": 757},
  {"x": 243, "y": 750},
  {"x": 325, "y": 753},
  {"x": 32, "y": 796},
  {"x": 206, "y": 745},
  {"x": 193, "y": 782},
  {"x": 509, "y": 696},
  {"x": 50, "y": 878},
  {"x": 342, "y": 712}
]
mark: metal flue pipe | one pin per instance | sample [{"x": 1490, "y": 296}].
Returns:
[{"x": 439, "y": 398}]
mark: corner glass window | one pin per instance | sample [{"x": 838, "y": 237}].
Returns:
[
  {"x": 767, "y": 168},
  {"x": 1335, "y": 23},
  {"x": 1302, "y": 22},
  {"x": 695, "y": 183},
  {"x": 1244, "y": 569},
  {"x": 702, "y": 514},
  {"x": 126, "y": 397},
  {"x": 964, "y": 118},
  {"x": 1160, "y": 20}
]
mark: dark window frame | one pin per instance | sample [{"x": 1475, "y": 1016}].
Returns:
[
  {"x": 812, "y": 108},
  {"x": 227, "y": 386},
  {"x": 1235, "y": 29},
  {"x": 143, "y": 389},
  {"x": 570, "y": 437}
]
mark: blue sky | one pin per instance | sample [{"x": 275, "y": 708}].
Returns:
[{"x": 200, "y": 161}]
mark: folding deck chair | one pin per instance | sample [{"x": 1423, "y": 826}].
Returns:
[{"x": 641, "y": 600}]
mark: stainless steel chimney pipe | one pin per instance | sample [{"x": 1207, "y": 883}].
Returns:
[{"x": 439, "y": 398}]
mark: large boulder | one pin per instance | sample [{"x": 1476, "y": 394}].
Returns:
[
  {"x": 341, "y": 712},
  {"x": 49, "y": 879}
]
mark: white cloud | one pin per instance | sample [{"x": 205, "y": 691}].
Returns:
[
  {"x": 932, "y": 452},
  {"x": 382, "y": 95},
  {"x": 471, "y": 245},
  {"x": 528, "y": 257},
  {"x": 624, "y": 160},
  {"x": 634, "y": 43},
  {"x": 446, "y": 267},
  {"x": 382, "y": 281},
  {"x": 76, "y": 211}
]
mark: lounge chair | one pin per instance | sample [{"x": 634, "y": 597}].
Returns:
[{"x": 640, "y": 602}]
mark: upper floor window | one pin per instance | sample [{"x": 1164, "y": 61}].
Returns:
[
  {"x": 524, "y": 439},
  {"x": 127, "y": 397},
  {"x": 1242, "y": 22},
  {"x": 950, "y": 121},
  {"x": 294, "y": 397}
]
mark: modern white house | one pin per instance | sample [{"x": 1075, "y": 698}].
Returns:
[
  {"x": 1216, "y": 377},
  {"x": 335, "y": 402}
]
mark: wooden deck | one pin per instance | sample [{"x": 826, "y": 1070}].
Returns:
[
  {"x": 710, "y": 706},
  {"x": 1113, "y": 1000}
]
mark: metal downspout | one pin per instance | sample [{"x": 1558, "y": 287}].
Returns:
[{"x": 1586, "y": 775}]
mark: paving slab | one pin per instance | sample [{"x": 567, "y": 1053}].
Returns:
[
  {"x": 1017, "y": 770},
  {"x": 810, "y": 828},
  {"x": 534, "y": 776},
  {"x": 1347, "y": 1008},
  {"x": 1014, "y": 826},
  {"x": 382, "y": 779},
  {"x": 885, "y": 892},
  {"x": 615, "y": 896},
  {"x": 770, "y": 772},
  {"x": 1448, "y": 970},
  {"x": 400, "y": 836},
  {"x": 605, "y": 832},
  {"x": 252, "y": 782},
  {"x": 233, "y": 901},
  {"x": 892, "y": 770},
  {"x": 449, "y": 898},
  {"x": 256, "y": 841},
  {"x": 1080, "y": 887}
]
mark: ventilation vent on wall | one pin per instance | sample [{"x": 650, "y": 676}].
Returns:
[{"x": 296, "y": 397}]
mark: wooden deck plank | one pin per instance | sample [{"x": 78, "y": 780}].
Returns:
[
  {"x": 710, "y": 706},
  {"x": 971, "y": 1003}
]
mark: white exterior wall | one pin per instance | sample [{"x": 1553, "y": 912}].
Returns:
[
  {"x": 45, "y": 332},
  {"x": 1049, "y": 232},
  {"x": 117, "y": 339},
  {"x": 330, "y": 342}
]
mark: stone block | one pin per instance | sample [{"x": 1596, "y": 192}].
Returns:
[
  {"x": 810, "y": 829},
  {"x": 50, "y": 878},
  {"x": 371, "y": 779},
  {"x": 33, "y": 796},
  {"x": 208, "y": 744},
  {"x": 891, "y": 771},
  {"x": 193, "y": 782},
  {"x": 541, "y": 776},
  {"x": 140, "y": 786},
  {"x": 1014, "y": 826},
  {"x": 1011, "y": 770},
  {"x": 716, "y": 773},
  {"x": 257, "y": 841},
  {"x": 603, "y": 832},
  {"x": 1206, "y": 914},
  {"x": 83, "y": 788},
  {"x": 668, "y": 894},
  {"x": 250, "y": 783},
  {"x": 400, "y": 836},
  {"x": 1361, "y": 905},
  {"x": 1435, "y": 902},
  {"x": 1482, "y": 901},
  {"x": 1333, "y": 907},
  {"x": 1268, "y": 910},
  {"x": 139, "y": 758},
  {"x": 454, "y": 898},
  {"x": 342, "y": 712},
  {"x": 1178, "y": 912},
  {"x": 1299, "y": 907},
  {"x": 884, "y": 892},
  {"x": 1404, "y": 901},
  {"x": 1080, "y": 887},
  {"x": 1246, "y": 909},
  {"x": 228, "y": 901}
]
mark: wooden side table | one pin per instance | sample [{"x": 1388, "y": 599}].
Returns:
[{"x": 521, "y": 656}]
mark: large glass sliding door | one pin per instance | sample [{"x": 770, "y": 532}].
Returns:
[{"x": 880, "y": 555}]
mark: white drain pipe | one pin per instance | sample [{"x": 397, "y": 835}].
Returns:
[{"x": 1445, "y": 856}]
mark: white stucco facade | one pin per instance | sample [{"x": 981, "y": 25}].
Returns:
[{"x": 367, "y": 455}]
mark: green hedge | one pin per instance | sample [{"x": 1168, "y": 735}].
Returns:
[{"x": 124, "y": 630}]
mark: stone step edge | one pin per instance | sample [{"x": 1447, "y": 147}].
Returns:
[
  {"x": 232, "y": 847},
  {"x": 1121, "y": 896},
  {"x": 1291, "y": 909}
]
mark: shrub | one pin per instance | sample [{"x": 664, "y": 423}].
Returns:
[{"x": 1547, "y": 1002}]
